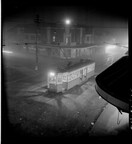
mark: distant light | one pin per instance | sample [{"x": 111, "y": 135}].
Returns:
[
  {"x": 51, "y": 74},
  {"x": 4, "y": 51},
  {"x": 110, "y": 49},
  {"x": 67, "y": 21}
]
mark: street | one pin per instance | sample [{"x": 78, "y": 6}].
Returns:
[{"x": 33, "y": 111}]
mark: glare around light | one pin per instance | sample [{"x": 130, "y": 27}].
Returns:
[
  {"x": 110, "y": 49},
  {"x": 8, "y": 52},
  {"x": 51, "y": 74},
  {"x": 67, "y": 21}
]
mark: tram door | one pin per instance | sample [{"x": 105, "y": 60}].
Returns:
[{"x": 81, "y": 75}]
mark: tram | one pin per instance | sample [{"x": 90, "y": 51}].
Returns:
[{"x": 62, "y": 80}]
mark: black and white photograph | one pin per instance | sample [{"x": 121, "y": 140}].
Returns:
[{"x": 64, "y": 72}]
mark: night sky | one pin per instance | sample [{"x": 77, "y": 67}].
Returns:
[{"x": 55, "y": 11}]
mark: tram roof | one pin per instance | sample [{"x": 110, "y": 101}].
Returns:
[{"x": 78, "y": 65}]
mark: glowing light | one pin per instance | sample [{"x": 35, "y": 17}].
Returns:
[
  {"x": 67, "y": 21},
  {"x": 110, "y": 49},
  {"x": 51, "y": 74},
  {"x": 5, "y": 51}
]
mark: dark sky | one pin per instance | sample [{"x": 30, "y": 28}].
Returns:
[{"x": 55, "y": 10}]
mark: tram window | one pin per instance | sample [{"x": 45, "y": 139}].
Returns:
[
  {"x": 81, "y": 73},
  {"x": 52, "y": 80}
]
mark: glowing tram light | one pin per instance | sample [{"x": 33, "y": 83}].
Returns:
[{"x": 51, "y": 74}]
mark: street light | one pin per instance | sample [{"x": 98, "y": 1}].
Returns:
[
  {"x": 6, "y": 51},
  {"x": 110, "y": 49},
  {"x": 67, "y": 21},
  {"x": 67, "y": 30}
]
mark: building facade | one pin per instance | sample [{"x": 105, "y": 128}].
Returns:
[
  {"x": 62, "y": 36},
  {"x": 54, "y": 40}
]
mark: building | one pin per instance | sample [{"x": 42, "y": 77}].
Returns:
[{"x": 52, "y": 39}]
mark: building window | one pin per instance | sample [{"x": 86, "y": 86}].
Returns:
[
  {"x": 66, "y": 40},
  {"x": 32, "y": 37},
  {"x": 26, "y": 37},
  {"x": 53, "y": 38},
  {"x": 38, "y": 37},
  {"x": 21, "y": 30},
  {"x": 88, "y": 39}
]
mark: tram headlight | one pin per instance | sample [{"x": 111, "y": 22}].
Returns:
[{"x": 51, "y": 74}]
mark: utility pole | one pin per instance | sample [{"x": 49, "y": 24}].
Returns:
[{"x": 37, "y": 21}]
